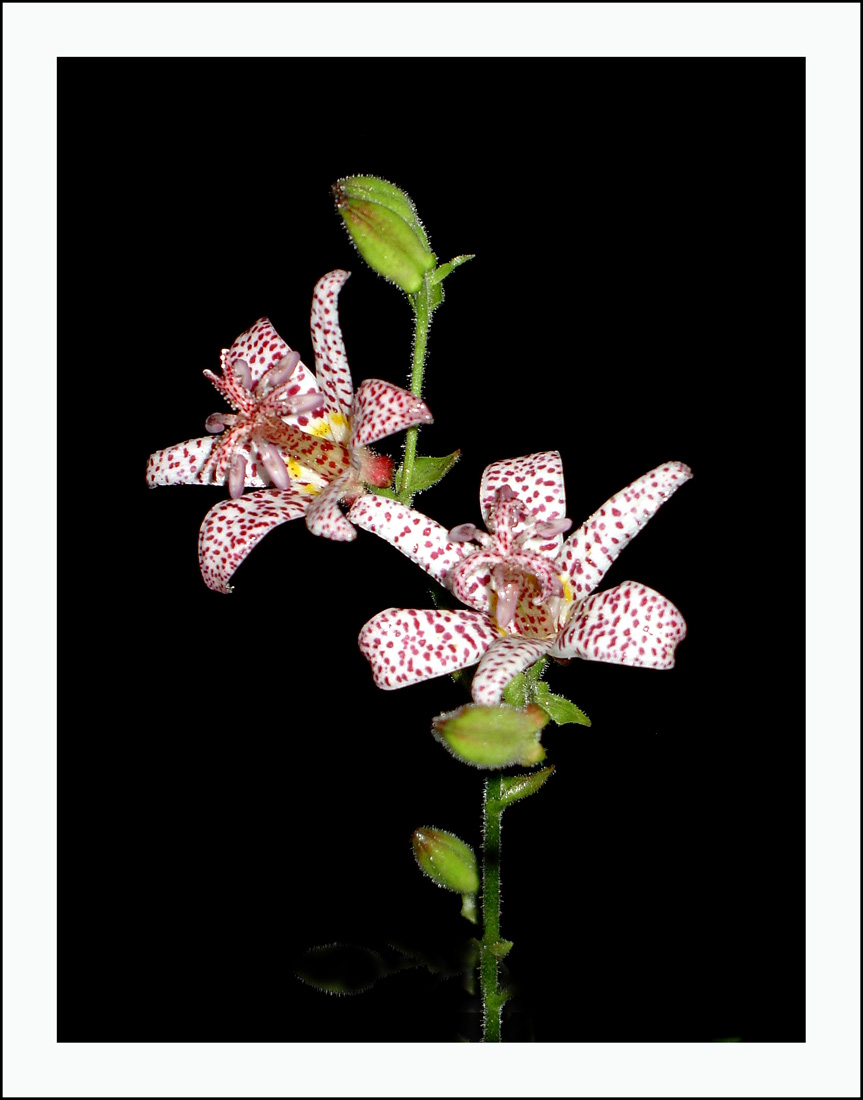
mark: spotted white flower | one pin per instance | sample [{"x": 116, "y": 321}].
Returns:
[
  {"x": 530, "y": 593},
  {"x": 306, "y": 435}
]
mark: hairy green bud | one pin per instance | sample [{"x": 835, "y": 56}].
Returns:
[
  {"x": 386, "y": 229},
  {"x": 492, "y": 737},
  {"x": 446, "y": 859}
]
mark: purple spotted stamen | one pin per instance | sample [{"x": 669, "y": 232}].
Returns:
[
  {"x": 279, "y": 373},
  {"x": 501, "y": 582},
  {"x": 507, "y": 585},
  {"x": 242, "y": 373},
  {"x": 515, "y": 573},
  {"x": 237, "y": 476},
  {"x": 548, "y": 528},
  {"x": 274, "y": 464},
  {"x": 303, "y": 440},
  {"x": 217, "y": 422},
  {"x": 465, "y": 532}
]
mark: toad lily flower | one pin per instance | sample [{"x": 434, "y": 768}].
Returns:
[
  {"x": 306, "y": 435},
  {"x": 531, "y": 593}
]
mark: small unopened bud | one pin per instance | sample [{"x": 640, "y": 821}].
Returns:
[
  {"x": 446, "y": 859},
  {"x": 377, "y": 470},
  {"x": 385, "y": 227},
  {"x": 492, "y": 737}
]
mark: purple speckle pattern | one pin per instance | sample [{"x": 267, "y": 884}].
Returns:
[
  {"x": 381, "y": 409},
  {"x": 181, "y": 464},
  {"x": 627, "y": 625},
  {"x": 590, "y": 551},
  {"x": 531, "y": 595},
  {"x": 315, "y": 452},
  {"x": 419, "y": 538},
  {"x": 331, "y": 360},
  {"x": 506, "y": 658},
  {"x": 537, "y": 481},
  {"x": 233, "y": 528},
  {"x": 404, "y": 646},
  {"x": 324, "y": 517}
]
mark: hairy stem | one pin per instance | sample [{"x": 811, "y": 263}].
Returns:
[
  {"x": 492, "y": 997},
  {"x": 422, "y": 317}
]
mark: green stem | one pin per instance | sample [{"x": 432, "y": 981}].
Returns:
[
  {"x": 492, "y": 997},
  {"x": 422, "y": 317}
]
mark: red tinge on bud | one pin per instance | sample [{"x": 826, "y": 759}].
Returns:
[{"x": 377, "y": 470}]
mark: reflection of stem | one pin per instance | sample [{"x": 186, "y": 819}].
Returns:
[
  {"x": 422, "y": 316},
  {"x": 492, "y": 997}
]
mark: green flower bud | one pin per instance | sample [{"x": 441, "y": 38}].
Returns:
[
  {"x": 447, "y": 860},
  {"x": 492, "y": 737},
  {"x": 385, "y": 227}
]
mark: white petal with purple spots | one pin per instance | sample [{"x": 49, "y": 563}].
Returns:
[
  {"x": 505, "y": 658},
  {"x": 418, "y": 537},
  {"x": 232, "y": 529},
  {"x": 405, "y": 646},
  {"x": 627, "y": 625},
  {"x": 589, "y": 552}
]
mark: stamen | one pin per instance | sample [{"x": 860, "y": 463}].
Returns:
[
  {"x": 507, "y": 596},
  {"x": 274, "y": 464},
  {"x": 215, "y": 423},
  {"x": 547, "y": 528},
  {"x": 279, "y": 372},
  {"x": 242, "y": 373},
  {"x": 304, "y": 402},
  {"x": 237, "y": 476},
  {"x": 508, "y": 512},
  {"x": 464, "y": 532}
]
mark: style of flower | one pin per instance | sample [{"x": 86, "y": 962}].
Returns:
[
  {"x": 305, "y": 435},
  {"x": 531, "y": 593}
]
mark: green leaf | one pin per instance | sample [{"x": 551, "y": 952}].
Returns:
[
  {"x": 440, "y": 273},
  {"x": 523, "y": 689},
  {"x": 499, "y": 949},
  {"x": 428, "y": 471},
  {"x": 536, "y": 670},
  {"x": 515, "y": 692},
  {"x": 559, "y": 709},
  {"x": 514, "y": 787}
]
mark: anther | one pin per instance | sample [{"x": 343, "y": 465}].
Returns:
[
  {"x": 242, "y": 373},
  {"x": 274, "y": 465},
  {"x": 464, "y": 532},
  {"x": 237, "y": 476},
  {"x": 279, "y": 372},
  {"x": 304, "y": 402},
  {"x": 547, "y": 528}
]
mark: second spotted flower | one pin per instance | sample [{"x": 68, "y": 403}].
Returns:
[
  {"x": 530, "y": 592},
  {"x": 306, "y": 435}
]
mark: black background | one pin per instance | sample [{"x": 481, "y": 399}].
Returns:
[{"x": 233, "y": 788}]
